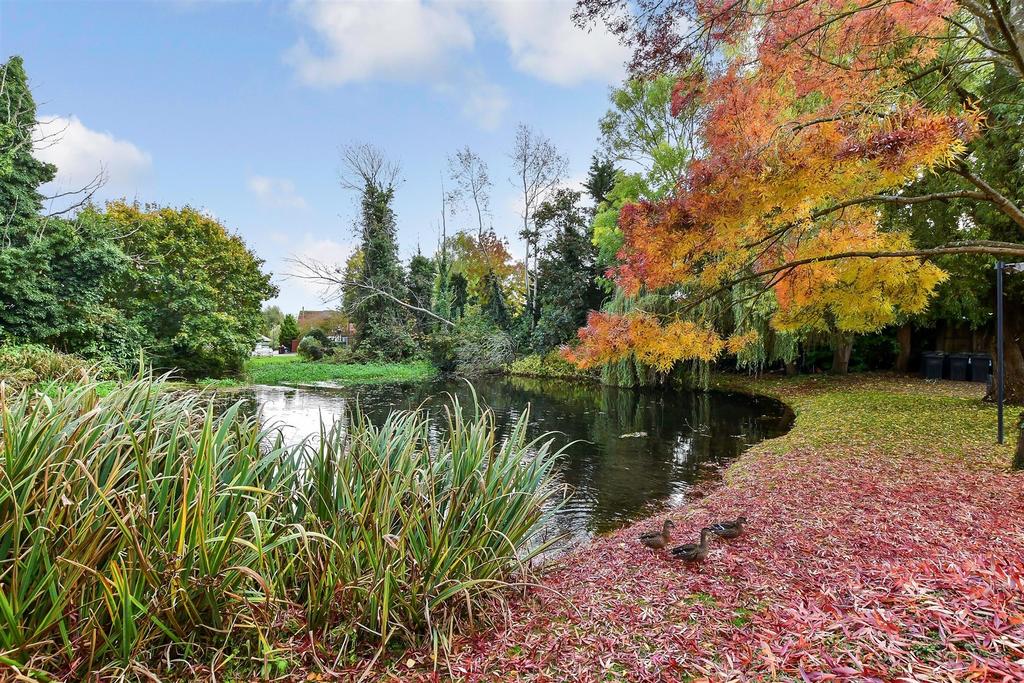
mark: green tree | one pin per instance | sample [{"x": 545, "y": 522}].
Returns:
[
  {"x": 289, "y": 330},
  {"x": 21, "y": 173},
  {"x": 55, "y": 273},
  {"x": 567, "y": 269},
  {"x": 272, "y": 317},
  {"x": 419, "y": 284},
  {"x": 492, "y": 305},
  {"x": 382, "y": 322},
  {"x": 600, "y": 179},
  {"x": 200, "y": 295}
]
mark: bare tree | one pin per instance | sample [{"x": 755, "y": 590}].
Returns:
[
  {"x": 538, "y": 168},
  {"x": 472, "y": 184},
  {"x": 364, "y": 165}
]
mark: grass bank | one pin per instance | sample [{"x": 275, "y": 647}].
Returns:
[
  {"x": 293, "y": 370},
  {"x": 885, "y": 542}
]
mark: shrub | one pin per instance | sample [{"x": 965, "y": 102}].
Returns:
[
  {"x": 475, "y": 347},
  {"x": 27, "y": 364},
  {"x": 319, "y": 335},
  {"x": 548, "y": 365},
  {"x": 144, "y": 527},
  {"x": 310, "y": 348}
]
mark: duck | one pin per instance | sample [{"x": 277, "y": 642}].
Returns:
[
  {"x": 658, "y": 539},
  {"x": 693, "y": 552},
  {"x": 730, "y": 528}
]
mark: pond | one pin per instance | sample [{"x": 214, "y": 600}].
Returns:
[{"x": 636, "y": 451}]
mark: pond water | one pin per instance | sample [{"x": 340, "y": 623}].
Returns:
[{"x": 636, "y": 451}]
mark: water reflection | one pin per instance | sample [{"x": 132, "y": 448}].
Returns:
[{"x": 635, "y": 451}]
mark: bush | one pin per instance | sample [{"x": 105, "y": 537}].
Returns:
[
  {"x": 310, "y": 348},
  {"x": 480, "y": 348},
  {"x": 28, "y": 364},
  {"x": 166, "y": 532},
  {"x": 548, "y": 365},
  {"x": 319, "y": 335}
]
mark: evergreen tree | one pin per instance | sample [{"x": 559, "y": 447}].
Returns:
[
  {"x": 21, "y": 174},
  {"x": 493, "y": 305},
  {"x": 289, "y": 330},
  {"x": 442, "y": 299},
  {"x": 54, "y": 272},
  {"x": 420, "y": 283},
  {"x": 460, "y": 294},
  {"x": 568, "y": 271},
  {"x": 600, "y": 179}
]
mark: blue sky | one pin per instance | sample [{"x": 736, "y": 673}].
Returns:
[{"x": 240, "y": 107}]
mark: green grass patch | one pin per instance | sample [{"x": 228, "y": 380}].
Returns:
[
  {"x": 892, "y": 414},
  {"x": 292, "y": 370}
]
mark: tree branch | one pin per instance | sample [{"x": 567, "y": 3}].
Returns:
[
  {"x": 992, "y": 195},
  {"x": 315, "y": 271},
  {"x": 987, "y": 247}
]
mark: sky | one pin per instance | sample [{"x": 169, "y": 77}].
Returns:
[{"x": 240, "y": 108}]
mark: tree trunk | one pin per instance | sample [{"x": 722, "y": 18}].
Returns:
[
  {"x": 841, "y": 348},
  {"x": 1018, "y": 458},
  {"x": 903, "y": 337},
  {"x": 790, "y": 368},
  {"x": 1014, "y": 336}
]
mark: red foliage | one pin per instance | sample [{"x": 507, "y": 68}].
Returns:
[{"x": 856, "y": 567}]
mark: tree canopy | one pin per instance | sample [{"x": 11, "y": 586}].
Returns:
[{"x": 806, "y": 117}]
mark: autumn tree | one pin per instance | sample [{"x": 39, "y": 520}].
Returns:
[
  {"x": 806, "y": 118},
  {"x": 475, "y": 258}
]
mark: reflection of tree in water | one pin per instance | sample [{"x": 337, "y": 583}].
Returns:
[{"x": 615, "y": 479}]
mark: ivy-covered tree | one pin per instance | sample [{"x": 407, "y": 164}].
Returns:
[
  {"x": 492, "y": 303},
  {"x": 382, "y": 322},
  {"x": 55, "y": 273}
]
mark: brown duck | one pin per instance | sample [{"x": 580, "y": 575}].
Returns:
[
  {"x": 658, "y": 539},
  {"x": 693, "y": 552},
  {"x": 729, "y": 528}
]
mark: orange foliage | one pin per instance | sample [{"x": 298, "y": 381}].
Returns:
[{"x": 809, "y": 118}]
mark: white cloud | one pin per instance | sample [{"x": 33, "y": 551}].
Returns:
[
  {"x": 485, "y": 104},
  {"x": 80, "y": 153},
  {"x": 545, "y": 43},
  {"x": 480, "y": 101},
  {"x": 388, "y": 39},
  {"x": 276, "y": 192}
]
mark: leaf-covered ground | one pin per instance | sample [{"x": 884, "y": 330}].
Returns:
[{"x": 885, "y": 543}]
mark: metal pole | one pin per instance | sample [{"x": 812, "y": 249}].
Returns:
[{"x": 1000, "y": 359}]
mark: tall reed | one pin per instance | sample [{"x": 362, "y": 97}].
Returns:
[{"x": 145, "y": 522}]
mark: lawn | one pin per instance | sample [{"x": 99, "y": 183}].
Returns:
[
  {"x": 293, "y": 370},
  {"x": 885, "y": 542}
]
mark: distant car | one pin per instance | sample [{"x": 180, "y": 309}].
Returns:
[{"x": 263, "y": 351}]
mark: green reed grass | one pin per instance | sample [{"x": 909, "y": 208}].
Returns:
[{"x": 144, "y": 526}]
